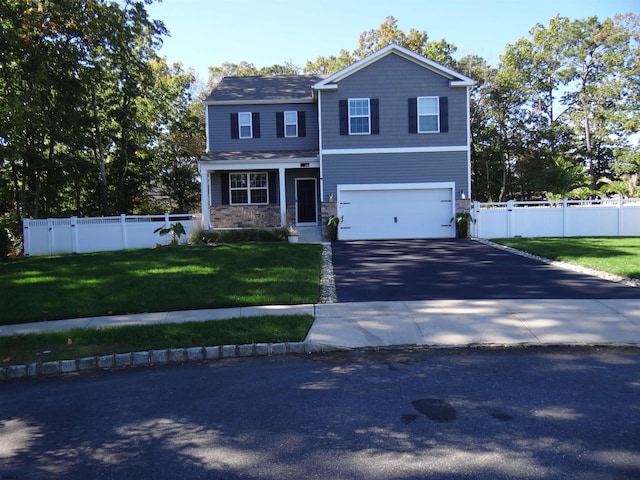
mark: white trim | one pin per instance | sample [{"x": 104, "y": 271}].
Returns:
[
  {"x": 469, "y": 143},
  {"x": 239, "y": 164},
  {"x": 456, "y": 79},
  {"x": 315, "y": 193},
  {"x": 361, "y": 151},
  {"x": 395, "y": 186},
  {"x": 207, "y": 148},
  {"x": 248, "y": 188},
  {"x": 320, "y": 137}
]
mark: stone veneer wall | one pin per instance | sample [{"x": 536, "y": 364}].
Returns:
[{"x": 245, "y": 216}]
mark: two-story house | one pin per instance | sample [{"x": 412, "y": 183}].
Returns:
[{"x": 383, "y": 143}]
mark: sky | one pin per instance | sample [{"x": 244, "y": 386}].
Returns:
[{"x": 266, "y": 32}]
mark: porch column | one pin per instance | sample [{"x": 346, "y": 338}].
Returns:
[
  {"x": 204, "y": 197},
  {"x": 283, "y": 197}
]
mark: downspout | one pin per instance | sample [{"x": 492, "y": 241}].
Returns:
[{"x": 320, "y": 145}]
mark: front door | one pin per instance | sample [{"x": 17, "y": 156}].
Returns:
[{"x": 306, "y": 198}]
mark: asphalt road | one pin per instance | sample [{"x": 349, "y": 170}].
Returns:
[
  {"x": 456, "y": 270},
  {"x": 444, "y": 414}
]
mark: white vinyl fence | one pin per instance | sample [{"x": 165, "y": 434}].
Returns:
[
  {"x": 54, "y": 236},
  {"x": 568, "y": 218}
]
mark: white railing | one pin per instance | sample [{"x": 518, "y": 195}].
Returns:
[
  {"x": 567, "y": 218},
  {"x": 55, "y": 236}
]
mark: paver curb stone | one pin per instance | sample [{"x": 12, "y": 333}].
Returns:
[{"x": 161, "y": 357}]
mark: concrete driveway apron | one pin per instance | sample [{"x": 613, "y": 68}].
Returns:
[{"x": 456, "y": 269}]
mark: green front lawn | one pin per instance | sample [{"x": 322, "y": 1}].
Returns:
[
  {"x": 69, "y": 344},
  {"x": 617, "y": 255},
  {"x": 163, "y": 279}
]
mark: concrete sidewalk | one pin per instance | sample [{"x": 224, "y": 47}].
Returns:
[{"x": 441, "y": 323}]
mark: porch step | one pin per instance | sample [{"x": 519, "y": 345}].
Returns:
[{"x": 312, "y": 234}]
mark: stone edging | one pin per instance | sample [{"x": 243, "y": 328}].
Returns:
[{"x": 160, "y": 357}]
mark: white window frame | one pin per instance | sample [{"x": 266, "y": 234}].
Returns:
[
  {"x": 367, "y": 116},
  {"x": 242, "y": 123},
  {"x": 248, "y": 188},
  {"x": 294, "y": 123},
  {"x": 430, "y": 114}
]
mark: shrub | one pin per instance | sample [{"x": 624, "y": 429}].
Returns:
[
  {"x": 239, "y": 235},
  {"x": 6, "y": 244}
]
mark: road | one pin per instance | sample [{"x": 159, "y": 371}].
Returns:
[{"x": 441, "y": 414}]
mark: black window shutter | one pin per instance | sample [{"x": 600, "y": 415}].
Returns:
[
  {"x": 444, "y": 114},
  {"x": 255, "y": 121},
  {"x": 375, "y": 116},
  {"x": 224, "y": 185},
  {"x": 344, "y": 117},
  {"x": 273, "y": 187},
  {"x": 302, "y": 125},
  {"x": 413, "y": 115},
  {"x": 235, "y": 133},
  {"x": 280, "y": 124}
]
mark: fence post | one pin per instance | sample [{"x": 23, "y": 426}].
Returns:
[
  {"x": 564, "y": 217},
  {"x": 51, "y": 240},
  {"x": 123, "y": 230},
  {"x": 26, "y": 237},
  {"x": 510, "y": 219},
  {"x": 620, "y": 215},
  {"x": 74, "y": 235},
  {"x": 475, "y": 226}
]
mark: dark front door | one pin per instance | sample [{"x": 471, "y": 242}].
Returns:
[{"x": 307, "y": 211}]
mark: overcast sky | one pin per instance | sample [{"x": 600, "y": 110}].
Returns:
[{"x": 265, "y": 32}]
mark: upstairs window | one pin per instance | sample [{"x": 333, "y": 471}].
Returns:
[
  {"x": 359, "y": 119},
  {"x": 245, "y": 127},
  {"x": 249, "y": 188},
  {"x": 290, "y": 124},
  {"x": 428, "y": 115}
]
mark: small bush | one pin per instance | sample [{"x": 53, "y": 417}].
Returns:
[
  {"x": 6, "y": 244},
  {"x": 239, "y": 235}
]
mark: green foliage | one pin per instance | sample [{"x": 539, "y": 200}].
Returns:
[
  {"x": 332, "y": 227},
  {"x": 239, "y": 235},
  {"x": 564, "y": 178},
  {"x": 175, "y": 229},
  {"x": 6, "y": 244},
  {"x": 463, "y": 219}
]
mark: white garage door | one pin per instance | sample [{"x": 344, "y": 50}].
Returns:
[{"x": 390, "y": 211}]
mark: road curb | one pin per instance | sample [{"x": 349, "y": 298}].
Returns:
[{"x": 160, "y": 357}]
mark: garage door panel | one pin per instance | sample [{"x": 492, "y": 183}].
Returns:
[{"x": 374, "y": 214}]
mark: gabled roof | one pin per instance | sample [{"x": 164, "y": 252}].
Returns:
[
  {"x": 264, "y": 89},
  {"x": 455, "y": 79}
]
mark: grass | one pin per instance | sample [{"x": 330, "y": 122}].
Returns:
[
  {"x": 163, "y": 279},
  {"x": 617, "y": 255},
  {"x": 70, "y": 344}
]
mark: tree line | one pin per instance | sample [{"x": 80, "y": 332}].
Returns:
[{"x": 94, "y": 122}]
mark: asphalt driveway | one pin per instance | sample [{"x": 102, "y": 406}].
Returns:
[{"x": 456, "y": 269}]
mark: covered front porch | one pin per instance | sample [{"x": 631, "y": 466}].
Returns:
[{"x": 260, "y": 190}]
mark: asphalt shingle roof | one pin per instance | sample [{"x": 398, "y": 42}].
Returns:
[{"x": 264, "y": 88}]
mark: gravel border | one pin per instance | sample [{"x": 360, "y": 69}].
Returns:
[
  {"x": 629, "y": 282},
  {"x": 327, "y": 279}
]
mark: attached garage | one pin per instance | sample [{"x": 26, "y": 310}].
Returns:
[{"x": 396, "y": 211}]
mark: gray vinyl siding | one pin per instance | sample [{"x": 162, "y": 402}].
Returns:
[
  {"x": 395, "y": 168},
  {"x": 393, "y": 80},
  {"x": 220, "y": 129}
]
